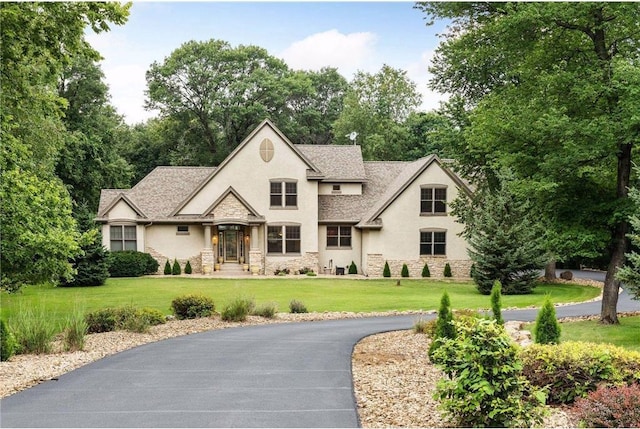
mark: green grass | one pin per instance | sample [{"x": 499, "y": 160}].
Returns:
[{"x": 318, "y": 294}]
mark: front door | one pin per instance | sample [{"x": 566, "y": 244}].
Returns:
[{"x": 230, "y": 246}]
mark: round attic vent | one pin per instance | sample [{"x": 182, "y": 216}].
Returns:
[{"x": 266, "y": 150}]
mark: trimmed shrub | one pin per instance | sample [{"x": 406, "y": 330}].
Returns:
[
  {"x": 424, "y": 326},
  {"x": 610, "y": 407},
  {"x": 7, "y": 342},
  {"x": 33, "y": 331},
  {"x": 405, "y": 271},
  {"x": 103, "y": 320},
  {"x": 187, "y": 268},
  {"x": 496, "y": 302},
  {"x": 237, "y": 310},
  {"x": 484, "y": 386},
  {"x": 167, "y": 268},
  {"x": 444, "y": 327},
  {"x": 425, "y": 271},
  {"x": 573, "y": 369},
  {"x": 386, "y": 272},
  {"x": 296, "y": 306},
  {"x": 192, "y": 306},
  {"x": 123, "y": 318},
  {"x": 130, "y": 263},
  {"x": 175, "y": 270},
  {"x": 447, "y": 270},
  {"x": 153, "y": 316},
  {"x": 75, "y": 331},
  {"x": 268, "y": 311},
  {"x": 353, "y": 269},
  {"x": 547, "y": 328}
]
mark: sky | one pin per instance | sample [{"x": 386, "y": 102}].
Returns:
[{"x": 350, "y": 36}]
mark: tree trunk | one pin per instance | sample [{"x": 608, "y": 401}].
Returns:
[
  {"x": 609, "y": 312},
  {"x": 550, "y": 271}
]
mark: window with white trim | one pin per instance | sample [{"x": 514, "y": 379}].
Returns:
[
  {"x": 433, "y": 200},
  {"x": 122, "y": 237},
  {"x": 283, "y": 194},
  {"x": 283, "y": 239},
  {"x": 338, "y": 236},
  {"x": 433, "y": 243}
]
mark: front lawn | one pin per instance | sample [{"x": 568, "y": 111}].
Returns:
[{"x": 318, "y": 294}]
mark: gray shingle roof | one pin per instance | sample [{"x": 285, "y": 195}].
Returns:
[{"x": 337, "y": 162}]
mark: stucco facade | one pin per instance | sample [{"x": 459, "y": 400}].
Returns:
[{"x": 273, "y": 205}]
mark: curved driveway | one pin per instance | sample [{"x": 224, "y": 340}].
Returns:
[{"x": 287, "y": 375}]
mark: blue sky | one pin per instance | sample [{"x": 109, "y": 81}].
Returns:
[{"x": 307, "y": 35}]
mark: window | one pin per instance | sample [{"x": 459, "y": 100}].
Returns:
[
  {"x": 289, "y": 196},
  {"x": 123, "y": 237},
  {"x": 433, "y": 242},
  {"x": 182, "y": 229},
  {"x": 433, "y": 200},
  {"x": 338, "y": 236},
  {"x": 336, "y": 188},
  {"x": 283, "y": 237}
]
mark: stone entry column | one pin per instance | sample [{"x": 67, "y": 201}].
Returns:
[
  {"x": 255, "y": 254},
  {"x": 207, "y": 252}
]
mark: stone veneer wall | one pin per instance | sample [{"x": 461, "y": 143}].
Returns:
[
  {"x": 308, "y": 260},
  {"x": 230, "y": 207},
  {"x": 255, "y": 259},
  {"x": 459, "y": 268},
  {"x": 196, "y": 261}
]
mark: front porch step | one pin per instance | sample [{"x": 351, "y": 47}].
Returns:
[{"x": 231, "y": 268}]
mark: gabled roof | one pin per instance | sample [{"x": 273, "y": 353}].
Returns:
[
  {"x": 339, "y": 163},
  {"x": 312, "y": 169},
  {"x": 121, "y": 197},
  {"x": 230, "y": 191}
]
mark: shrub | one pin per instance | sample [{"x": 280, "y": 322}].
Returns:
[
  {"x": 296, "y": 306},
  {"x": 573, "y": 369},
  {"x": 386, "y": 272},
  {"x": 424, "y": 326},
  {"x": 405, "y": 271},
  {"x": 610, "y": 407},
  {"x": 7, "y": 342},
  {"x": 547, "y": 328},
  {"x": 130, "y": 263},
  {"x": 175, "y": 270},
  {"x": 152, "y": 315},
  {"x": 425, "y": 271},
  {"x": 267, "y": 311},
  {"x": 353, "y": 269},
  {"x": 192, "y": 306},
  {"x": 496, "y": 302},
  {"x": 103, "y": 320},
  {"x": 444, "y": 327},
  {"x": 484, "y": 385},
  {"x": 187, "y": 268},
  {"x": 92, "y": 266},
  {"x": 238, "y": 310},
  {"x": 311, "y": 274},
  {"x": 75, "y": 331},
  {"x": 167, "y": 268},
  {"x": 447, "y": 270},
  {"x": 33, "y": 331}
]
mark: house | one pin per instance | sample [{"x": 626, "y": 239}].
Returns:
[{"x": 272, "y": 204}]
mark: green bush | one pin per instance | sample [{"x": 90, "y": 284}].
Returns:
[
  {"x": 547, "y": 328},
  {"x": 296, "y": 306},
  {"x": 7, "y": 342},
  {"x": 75, "y": 331},
  {"x": 91, "y": 267},
  {"x": 610, "y": 407},
  {"x": 405, "y": 271},
  {"x": 353, "y": 269},
  {"x": 447, "y": 270},
  {"x": 153, "y": 316},
  {"x": 33, "y": 331},
  {"x": 268, "y": 310},
  {"x": 103, "y": 320},
  {"x": 175, "y": 270},
  {"x": 444, "y": 327},
  {"x": 187, "y": 268},
  {"x": 496, "y": 302},
  {"x": 484, "y": 386},
  {"x": 123, "y": 318},
  {"x": 425, "y": 271},
  {"x": 130, "y": 263},
  {"x": 386, "y": 272},
  {"x": 237, "y": 310},
  {"x": 167, "y": 268},
  {"x": 573, "y": 369},
  {"x": 192, "y": 306}
]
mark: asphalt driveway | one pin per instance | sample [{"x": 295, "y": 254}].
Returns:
[{"x": 288, "y": 375}]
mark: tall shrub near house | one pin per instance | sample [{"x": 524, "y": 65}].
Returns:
[
  {"x": 187, "y": 268},
  {"x": 353, "y": 269},
  {"x": 92, "y": 265},
  {"x": 425, "y": 271},
  {"x": 176, "y": 268},
  {"x": 405, "y": 271},
  {"x": 444, "y": 326},
  {"x": 547, "y": 328},
  {"x": 496, "y": 302},
  {"x": 447, "y": 270},
  {"x": 386, "y": 272},
  {"x": 167, "y": 268}
]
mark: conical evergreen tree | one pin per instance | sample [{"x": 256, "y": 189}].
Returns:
[
  {"x": 496, "y": 302},
  {"x": 547, "y": 329},
  {"x": 444, "y": 327}
]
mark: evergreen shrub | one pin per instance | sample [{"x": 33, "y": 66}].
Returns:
[
  {"x": 175, "y": 270},
  {"x": 610, "y": 407},
  {"x": 237, "y": 310},
  {"x": 91, "y": 267},
  {"x": 130, "y": 263},
  {"x": 496, "y": 302},
  {"x": 447, "y": 270},
  {"x": 405, "y": 271},
  {"x": 7, "y": 342},
  {"x": 353, "y": 269},
  {"x": 547, "y": 329},
  {"x": 484, "y": 386},
  {"x": 167, "y": 268},
  {"x": 573, "y": 369},
  {"x": 192, "y": 306},
  {"x": 444, "y": 327},
  {"x": 425, "y": 271},
  {"x": 386, "y": 272},
  {"x": 187, "y": 268}
]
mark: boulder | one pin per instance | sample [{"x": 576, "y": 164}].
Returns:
[{"x": 566, "y": 275}]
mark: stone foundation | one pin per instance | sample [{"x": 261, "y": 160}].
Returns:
[
  {"x": 195, "y": 261},
  {"x": 308, "y": 260},
  {"x": 256, "y": 260},
  {"x": 459, "y": 268}
]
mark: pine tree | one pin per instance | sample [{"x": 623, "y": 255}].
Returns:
[
  {"x": 447, "y": 270},
  {"x": 630, "y": 273},
  {"x": 496, "y": 302},
  {"x": 425, "y": 271},
  {"x": 353, "y": 269},
  {"x": 92, "y": 266},
  {"x": 386, "y": 272},
  {"x": 176, "y": 268},
  {"x": 547, "y": 329},
  {"x": 405, "y": 271},
  {"x": 444, "y": 327},
  {"x": 167, "y": 268},
  {"x": 187, "y": 268}
]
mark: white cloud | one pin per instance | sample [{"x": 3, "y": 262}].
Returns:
[{"x": 347, "y": 52}]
